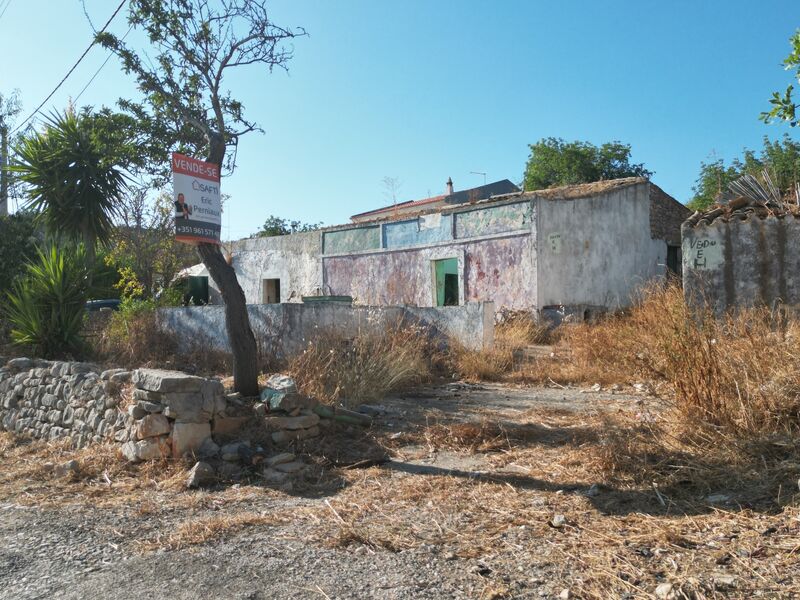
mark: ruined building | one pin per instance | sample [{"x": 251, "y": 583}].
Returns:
[{"x": 576, "y": 249}]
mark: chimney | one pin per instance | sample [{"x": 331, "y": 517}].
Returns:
[{"x": 449, "y": 186}]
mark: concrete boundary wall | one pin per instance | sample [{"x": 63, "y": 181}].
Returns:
[{"x": 286, "y": 329}]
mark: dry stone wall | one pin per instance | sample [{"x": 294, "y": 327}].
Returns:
[{"x": 56, "y": 400}]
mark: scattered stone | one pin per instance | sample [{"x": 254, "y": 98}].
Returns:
[
  {"x": 282, "y": 383},
  {"x": 290, "y": 467},
  {"x": 230, "y": 452},
  {"x": 643, "y": 388},
  {"x": 664, "y": 591},
  {"x": 120, "y": 377},
  {"x": 71, "y": 467},
  {"x": 106, "y": 375},
  {"x": 718, "y": 498},
  {"x": 593, "y": 491},
  {"x": 260, "y": 410},
  {"x": 275, "y": 477},
  {"x": 301, "y": 422},
  {"x": 565, "y": 595},
  {"x": 286, "y": 436},
  {"x": 227, "y": 425},
  {"x": 152, "y": 426},
  {"x": 208, "y": 449},
  {"x": 558, "y": 521},
  {"x": 200, "y": 475},
  {"x": 371, "y": 410},
  {"x": 724, "y": 582},
  {"x": 150, "y": 407},
  {"x": 136, "y": 411},
  {"x": 20, "y": 364},
  {"x": 188, "y": 437},
  {"x": 278, "y": 459},
  {"x": 162, "y": 381}
]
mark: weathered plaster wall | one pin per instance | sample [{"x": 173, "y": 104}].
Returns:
[
  {"x": 287, "y": 328},
  {"x": 597, "y": 251},
  {"x": 427, "y": 229},
  {"x": 294, "y": 259},
  {"x": 742, "y": 263},
  {"x": 496, "y": 270}
]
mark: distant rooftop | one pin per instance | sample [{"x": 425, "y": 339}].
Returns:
[{"x": 504, "y": 186}]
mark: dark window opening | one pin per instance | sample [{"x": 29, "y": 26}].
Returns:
[
  {"x": 673, "y": 264},
  {"x": 272, "y": 291},
  {"x": 450, "y": 289},
  {"x": 196, "y": 291}
]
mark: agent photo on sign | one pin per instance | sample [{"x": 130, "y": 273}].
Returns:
[{"x": 182, "y": 210}]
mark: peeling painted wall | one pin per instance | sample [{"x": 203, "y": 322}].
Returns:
[
  {"x": 496, "y": 219},
  {"x": 597, "y": 251},
  {"x": 497, "y": 270},
  {"x": 742, "y": 263},
  {"x": 427, "y": 229},
  {"x": 356, "y": 239}
]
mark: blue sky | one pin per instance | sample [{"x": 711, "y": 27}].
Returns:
[{"x": 426, "y": 90}]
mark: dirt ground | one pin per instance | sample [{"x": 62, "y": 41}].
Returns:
[{"x": 458, "y": 491}]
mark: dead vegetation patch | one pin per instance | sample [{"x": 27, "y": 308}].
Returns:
[{"x": 365, "y": 368}]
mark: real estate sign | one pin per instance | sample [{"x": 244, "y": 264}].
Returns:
[{"x": 196, "y": 200}]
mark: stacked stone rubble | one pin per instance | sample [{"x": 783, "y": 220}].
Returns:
[
  {"x": 288, "y": 415},
  {"x": 173, "y": 413}
]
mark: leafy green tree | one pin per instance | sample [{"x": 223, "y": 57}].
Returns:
[
  {"x": 784, "y": 107},
  {"x": 18, "y": 239},
  {"x": 279, "y": 226},
  {"x": 46, "y": 308},
  {"x": 555, "y": 162},
  {"x": 74, "y": 184},
  {"x": 781, "y": 158},
  {"x": 186, "y": 108}
]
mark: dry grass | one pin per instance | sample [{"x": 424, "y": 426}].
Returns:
[
  {"x": 201, "y": 530},
  {"x": 514, "y": 332},
  {"x": 643, "y": 528},
  {"x": 365, "y": 368}
]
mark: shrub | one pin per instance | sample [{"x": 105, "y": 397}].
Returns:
[
  {"x": 133, "y": 337},
  {"x": 365, "y": 368},
  {"x": 46, "y": 308}
]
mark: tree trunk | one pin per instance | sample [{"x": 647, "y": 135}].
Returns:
[{"x": 237, "y": 321}]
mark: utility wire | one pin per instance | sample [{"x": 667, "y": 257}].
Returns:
[
  {"x": 60, "y": 83},
  {"x": 5, "y": 8},
  {"x": 96, "y": 73}
]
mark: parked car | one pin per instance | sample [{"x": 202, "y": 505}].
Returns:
[{"x": 109, "y": 304}]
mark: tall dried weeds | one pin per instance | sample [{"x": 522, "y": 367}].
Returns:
[{"x": 364, "y": 368}]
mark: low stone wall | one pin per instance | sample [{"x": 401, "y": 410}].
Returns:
[
  {"x": 287, "y": 328},
  {"x": 55, "y": 400}
]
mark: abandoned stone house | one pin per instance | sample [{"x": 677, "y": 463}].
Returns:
[{"x": 575, "y": 249}]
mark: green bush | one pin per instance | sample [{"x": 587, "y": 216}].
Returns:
[{"x": 46, "y": 307}]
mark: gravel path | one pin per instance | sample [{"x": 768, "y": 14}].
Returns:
[{"x": 79, "y": 552}]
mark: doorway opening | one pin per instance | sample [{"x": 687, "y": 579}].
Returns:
[
  {"x": 271, "y": 291},
  {"x": 445, "y": 273}
]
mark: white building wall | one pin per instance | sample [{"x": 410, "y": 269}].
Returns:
[{"x": 596, "y": 251}]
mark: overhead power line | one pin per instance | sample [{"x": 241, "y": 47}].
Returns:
[
  {"x": 96, "y": 73},
  {"x": 75, "y": 66},
  {"x": 5, "y": 8}
]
